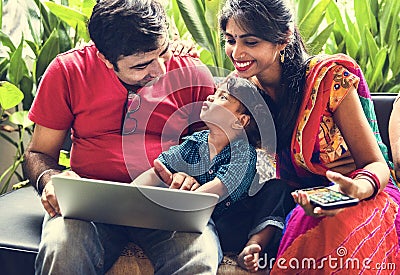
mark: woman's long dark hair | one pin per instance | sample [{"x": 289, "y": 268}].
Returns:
[{"x": 272, "y": 20}]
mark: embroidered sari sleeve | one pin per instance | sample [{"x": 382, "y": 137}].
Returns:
[{"x": 341, "y": 82}]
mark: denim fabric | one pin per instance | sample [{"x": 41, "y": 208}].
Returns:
[{"x": 71, "y": 246}]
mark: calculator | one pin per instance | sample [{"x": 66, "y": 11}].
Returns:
[{"x": 327, "y": 198}]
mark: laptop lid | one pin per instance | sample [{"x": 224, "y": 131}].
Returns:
[{"x": 131, "y": 205}]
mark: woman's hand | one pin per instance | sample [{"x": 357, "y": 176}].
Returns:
[
  {"x": 178, "y": 180},
  {"x": 342, "y": 184},
  {"x": 184, "y": 47}
]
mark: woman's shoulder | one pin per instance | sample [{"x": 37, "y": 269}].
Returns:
[{"x": 320, "y": 61}]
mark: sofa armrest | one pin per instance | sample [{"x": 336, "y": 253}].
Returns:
[{"x": 21, "y": 217}]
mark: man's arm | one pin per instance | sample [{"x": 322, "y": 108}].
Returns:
[
  {"x": 41, "y": 162},
  {"x": 394, "y": 136}
]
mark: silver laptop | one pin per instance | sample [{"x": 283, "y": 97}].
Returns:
[{"x": 138, "y": 206}]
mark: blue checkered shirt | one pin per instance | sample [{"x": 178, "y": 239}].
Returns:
[{"x": 235, "y": 165}]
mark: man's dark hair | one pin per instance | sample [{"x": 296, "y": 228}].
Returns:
[{"x": 125, "y": 27}]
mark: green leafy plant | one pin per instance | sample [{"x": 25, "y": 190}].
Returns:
[
  {"x": 310, "y": 20},
  {"x": 24, "y": 64},
  {"x": 372, "y": 39},
  {"x": 10, "y": 97},
  {"x": 200, "y": 19}
]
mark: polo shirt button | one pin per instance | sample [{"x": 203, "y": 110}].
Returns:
[
  {"x": 210, "y": 171},
  {"x": 228, "y": 203}
]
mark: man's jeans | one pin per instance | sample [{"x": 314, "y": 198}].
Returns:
[{"x": 71, "y": 246}]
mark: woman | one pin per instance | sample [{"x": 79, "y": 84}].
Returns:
[{"x": 323, "y": 115}]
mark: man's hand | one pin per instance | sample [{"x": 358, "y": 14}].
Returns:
[
  {"x": 178, "y": 180},
  {"x": 49, "y": 199}
]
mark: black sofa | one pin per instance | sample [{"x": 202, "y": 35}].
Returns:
[{"x": 21, "y": 212}]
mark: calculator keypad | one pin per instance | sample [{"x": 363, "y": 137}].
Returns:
[{"x": 327, "y": 197}]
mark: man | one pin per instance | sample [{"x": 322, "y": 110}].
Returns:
[{"x": 118, "y": 128}]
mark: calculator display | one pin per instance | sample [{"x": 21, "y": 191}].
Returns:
[{"x": 327, "y": 198}]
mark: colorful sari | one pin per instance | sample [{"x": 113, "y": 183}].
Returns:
[{"x": 359, "y": 240}]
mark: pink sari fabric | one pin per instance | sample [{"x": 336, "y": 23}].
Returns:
[
  {"x": 365, "y": 233},
  {"x": 358, "y": 240}
]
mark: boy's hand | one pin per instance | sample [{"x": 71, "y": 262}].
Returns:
[{"x": 178, "y": 180}]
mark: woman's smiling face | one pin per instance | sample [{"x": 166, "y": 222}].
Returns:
[{"x": 250, "y": 54}]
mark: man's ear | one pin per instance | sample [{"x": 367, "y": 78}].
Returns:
[
  {"x": 105, "y": 60},
  {"x": 241, "y": 122}
]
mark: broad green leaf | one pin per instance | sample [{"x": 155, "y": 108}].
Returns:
[
  {"x": 18, "y": 66},
  {"x": 228, "y": 64},
  {"x": 193, "y": 14},
  {"x": 206, "y": 57},
  {"x": 33, "y": 20},
  {"x": 353, "y": 29},
  {"x": 26, "y": 86},
  {"x": 394, "y": 59},
  {"x": 177, "y": 20},
  {"x": 351, "y": 46},
  {"x": 34, "y": 47},
  {"x": 303, "y": 7},
  {"x": 374, "y": 6},
  {"x": 4, "y": 64},
  {"x": 85, "y": 6},
  {"x": 377, "y": 68},
  {"x": 371, "y": 45},
  {"x": 49, "y": 51},
  {"x": 6, "y": 41},
  {"x": 393, "y": 29},
  {"x": 368, "y": 75},
  {"x": 394, "y": 89},
  {"x": 10, "y": 95},
  {"x": 21, "y": 118},
  {"x": 73, "y": 18},
  {"x": 338, "y": 36},
  {"x": 384, "y": 21},
  {"x": 333, "y": 13},
  {"x": 64, "y": 38},
  {"x": 360, "y": 39},
  {"x": 310, "y": 23},
  {"x": 211, "y": 15},
  {"x": 64, "y": 159},
  {"x": 49, "y": 20},
  {"x": 319, "y": 41},
  {"x": 364, "y": 16}
]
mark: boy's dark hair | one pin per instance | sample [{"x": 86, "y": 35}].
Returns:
[
  {"x": 125, "y": 27},
  {"x": 252, "y": 104}
]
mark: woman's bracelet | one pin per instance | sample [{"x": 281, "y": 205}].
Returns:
[
  {"x": 41, "y": 175},
  {"x": 370, "y": 177}
]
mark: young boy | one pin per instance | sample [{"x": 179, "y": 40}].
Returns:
[{"x": 222, "y": 159}]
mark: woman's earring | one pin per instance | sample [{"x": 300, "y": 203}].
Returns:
[{"x": 282, "y": 55}]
